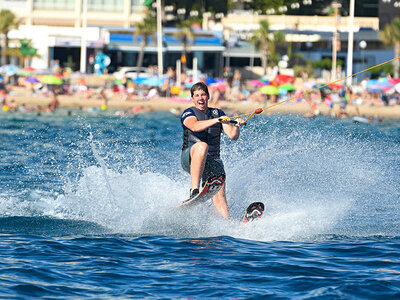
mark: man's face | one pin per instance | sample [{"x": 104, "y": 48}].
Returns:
[{"x": 200, "y": 100}]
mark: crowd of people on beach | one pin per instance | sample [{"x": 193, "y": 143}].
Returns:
[{"x": 384, "y": 91}]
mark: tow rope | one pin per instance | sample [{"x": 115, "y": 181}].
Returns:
[{"x": 260, "y": 110}]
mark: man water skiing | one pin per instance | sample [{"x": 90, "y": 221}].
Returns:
[{"x": 202, "y": 127}]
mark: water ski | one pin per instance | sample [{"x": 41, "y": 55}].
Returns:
[
  {"x": 254, "y": 211},
  {"x": 212, "y": 185}
]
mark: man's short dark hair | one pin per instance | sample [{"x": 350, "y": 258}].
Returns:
[{"x": 200, "y": 86}]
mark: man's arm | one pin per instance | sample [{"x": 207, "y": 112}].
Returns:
[
  {"x": 232, "y": 131},
  {"x": 195, "y": 125}
]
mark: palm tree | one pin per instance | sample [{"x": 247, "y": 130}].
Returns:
[
  {"x": 8, "y": 21},
  {"x": 266, "y": 42},
  {"x": 391, "y": 36},
  {"x": 146, "y": 28},
  {"x": 24, "y": 53},
  {"x": 187, "y": 35}
]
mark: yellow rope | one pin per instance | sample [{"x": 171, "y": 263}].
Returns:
[{"x": 308, "y": 92}]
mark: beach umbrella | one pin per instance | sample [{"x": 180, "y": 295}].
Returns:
[
  {"x": 383, "y": 79},
  {"x": 50, "y": 79},
  {"x": 394, "y": 81},
  {"x": 371, "y": 82},
  {"x": 154, "y": 81},
  {"x": 269, "y": 90},
  {"x": 24, "y": 73},
  {"x": 29, "y": 69},
  {"x": 335, "y": 86},
  {"x": 9, "y": 70},
  {"x": 389, "y": 91},
  {"x": 287, "y": 87},
  {"x": 282, "y": 79},
  {"x": 139, "y": 80},
  {"x": 32, "y": 79},
  {"x": 379, "y": 87},
  {"x": 210, "y": 80},
  {"x": 265, "y": 78},
  {"x": 267, "y": 82},
  {"x": 322, "y": 87},
  {"x": 257, "y": 83}
]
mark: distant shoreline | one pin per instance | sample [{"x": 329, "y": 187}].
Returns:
[{"x": 166, "y": 104}]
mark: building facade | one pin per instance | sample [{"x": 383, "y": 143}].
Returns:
[
  {"x": 310, "y": 36},
  {"x": 56, "y": 28}
]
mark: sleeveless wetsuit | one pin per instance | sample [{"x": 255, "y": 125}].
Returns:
[{"x": 211, "y": 136}]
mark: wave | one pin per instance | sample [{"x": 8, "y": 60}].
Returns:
[
  {"x": 47, "y": 226},
  {"x": 315, "y": 181}
]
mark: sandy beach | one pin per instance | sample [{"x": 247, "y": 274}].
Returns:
[{"x": 21, "y": 96}]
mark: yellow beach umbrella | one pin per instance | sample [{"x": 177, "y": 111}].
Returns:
[
  {"x": 50, "y": 79},
  {"x": 269, "y": 90}
]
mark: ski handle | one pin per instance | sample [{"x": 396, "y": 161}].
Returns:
[{"x": 230, "y": 121}]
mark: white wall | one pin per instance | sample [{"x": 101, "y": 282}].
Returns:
[{"x": 44, "y": 37}]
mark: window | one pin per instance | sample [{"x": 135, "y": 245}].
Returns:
[
  {"x": 106, "y": 5},
  {"x": 137, "y": 6},
  {"x": 54, "y": 4}
]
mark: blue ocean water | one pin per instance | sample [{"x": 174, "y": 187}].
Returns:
[{"x": 88, "y": 209}]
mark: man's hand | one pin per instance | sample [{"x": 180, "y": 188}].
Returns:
[{"x": 238, "y": 122}]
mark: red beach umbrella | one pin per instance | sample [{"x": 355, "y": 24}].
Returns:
[
  {"x": 394, "y": 81},
  {"x": 281, "y": 79},
  {"x": 29, "y": 69},
  {"x": 335, "y": 86}
]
